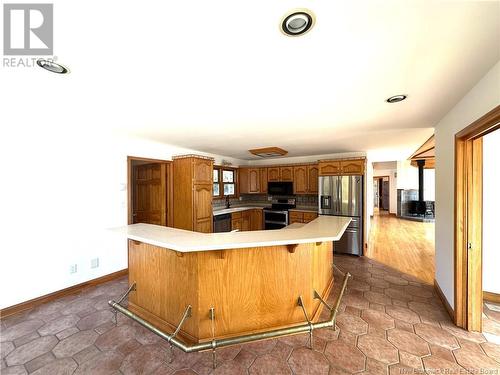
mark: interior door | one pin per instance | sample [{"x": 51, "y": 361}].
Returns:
[
  {"x": 375, "y": 192},
  {"x": 150, "y": 194},
  {"x": 385, "y": 194}
]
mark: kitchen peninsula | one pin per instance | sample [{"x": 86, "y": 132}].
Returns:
[{"x": 237, "y": 283}]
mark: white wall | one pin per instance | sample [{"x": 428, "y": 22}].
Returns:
[
  {"x": 393, "y": 191},
  {"x": 482, "y": 98},
  {"x": 407, "y": 175},
  {"x": 62, "y": 191},
  {"x": 491, "y": 208}
]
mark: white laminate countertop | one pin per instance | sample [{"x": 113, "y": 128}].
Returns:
[
  {"x": 324, "y": 228},
  {"x": 230, "y": 210}
]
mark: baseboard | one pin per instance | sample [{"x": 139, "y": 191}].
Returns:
[
  {"x": 491, "y": 297},
  {"x": 443, "y": 299},
  {"x": 75, "y": 289}
]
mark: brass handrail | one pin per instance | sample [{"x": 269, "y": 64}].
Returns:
[{"x": 219, "y": 343}]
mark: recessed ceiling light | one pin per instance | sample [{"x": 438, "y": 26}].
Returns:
[
  {"x": 396, "y": 98},
  {"x": 297, "y": 22},
  {"x": 52, "y": 66}
]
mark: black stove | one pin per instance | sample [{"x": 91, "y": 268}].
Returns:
[{"x": 276, "y": 216}]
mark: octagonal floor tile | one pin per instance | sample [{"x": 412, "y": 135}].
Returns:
[
  {"x": 308, "y": 362},
  {"x": 352, "y": 323},
  {"x": 377, "y": 319},
  {"x": 345, "y": 356},
  {"x": 378, "y": 348},
  {"x": 436, "y": 336},
  {"x": 402, "y": 313},
  {"x": 408, "y": 342}
]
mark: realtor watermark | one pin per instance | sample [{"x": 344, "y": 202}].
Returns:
[{"x": 28, "y": 32}]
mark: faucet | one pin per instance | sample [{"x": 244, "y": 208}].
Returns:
[{"x": 228, "y": 204}]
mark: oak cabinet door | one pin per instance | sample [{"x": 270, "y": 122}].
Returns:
[
  {"x": 329, "y": 168},
  {"x": 236, "y": 224},
  {"x": 312, "y": 179},
  {"x": 243, "y": 180},
  {"x": 202, "y": 203},
  {"x": 253, "y": 181},
  {"x": 202, "y": 171},
  {"x": 295, "y": 217},
  {"x": 245, "y": 220},
  {"x": 309, "y": 216},
  {"x": 263, "y": 180},
  {"x": 286, "y": 173},
  {"x": 257, "y": 219},
  {"x": 300, "y": 179},
  {"x": 353, "y": 166},
  {"x": 273, "y": 174},
  {"x": 204, "y": 226}
]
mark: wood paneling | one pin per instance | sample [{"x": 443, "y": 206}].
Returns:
[
  {"x": 193, "y": 194},
  {"x": 286, "y": 173},
  {"x": 251, "y": 289},
  {"x": 273, "y": 174},
  {"x": 75, "y": 289}
]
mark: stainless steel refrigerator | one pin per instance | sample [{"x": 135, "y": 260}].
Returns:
[{"x": 343, "y": 196}]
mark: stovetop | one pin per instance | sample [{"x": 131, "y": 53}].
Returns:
[{"x": 283, "y": 204}]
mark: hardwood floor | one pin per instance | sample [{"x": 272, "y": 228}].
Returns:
[{"x": 405, "y": 245}]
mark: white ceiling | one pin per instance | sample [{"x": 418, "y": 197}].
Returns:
[{"x": 219, "y": 77}]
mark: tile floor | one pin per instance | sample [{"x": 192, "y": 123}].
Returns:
[{"x": 390, "y": 323}]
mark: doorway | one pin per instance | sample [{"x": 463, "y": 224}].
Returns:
[
  {"x": 469, "y": 220},
  {"x": 381, "y": 191},
  {"x": 149, "y": 191}
]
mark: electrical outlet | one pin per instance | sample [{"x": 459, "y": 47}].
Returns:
[
  {"x": 73, "y": 268},
  {"x": 94, "y": 263}
]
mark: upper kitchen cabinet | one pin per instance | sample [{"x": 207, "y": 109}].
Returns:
[
  {"x": 250, "y": 180},
  {"x": 305, "y": 179},
  {"x": 312, "y": 179},
  {"x": 192, "y": 193},
  {"x": 286, "y": 173},
  {"x": 273, "y": 174},
  {"x": 300, "y": 180},
  {"x": 329, "y": 167},
  {"x": 354, "y": 166},
  {"x": 263, "y": 180},
  {"x": 341, "y": 167}
]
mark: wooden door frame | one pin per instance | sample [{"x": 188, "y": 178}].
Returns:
[
  {"x": 170, "y": 187},
  {"x": 468, "y": 220}
]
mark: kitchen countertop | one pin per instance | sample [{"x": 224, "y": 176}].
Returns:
[
  {"x": 230, "y": 210},
  {"x": 324, "y": 228}
]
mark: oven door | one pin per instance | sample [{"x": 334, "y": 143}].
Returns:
[{"x": 275, "y": 219}]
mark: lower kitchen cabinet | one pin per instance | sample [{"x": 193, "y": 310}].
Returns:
[
  {"x": 301, "y": 216},
  {"x": 251, "y": 219}
]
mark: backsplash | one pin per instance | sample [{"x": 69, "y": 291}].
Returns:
[{"x": 262, "y": 199}]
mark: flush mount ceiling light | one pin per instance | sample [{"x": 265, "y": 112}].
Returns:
[
  {"x": 396, "y": 98},
  {"x": 52, "y": 66},
  {"x": 297, "y": 22},
  {"x": 268, "y": 152}
]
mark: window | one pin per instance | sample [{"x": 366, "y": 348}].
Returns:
[{"x": 224, "y": 182}]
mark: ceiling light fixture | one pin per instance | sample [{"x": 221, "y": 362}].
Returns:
[
  {"x": 52, "y": 66},
  {"x": 268, "y": 152},
  {"x": 297, "y": 22},
  {"x": 396, "y": 98}
]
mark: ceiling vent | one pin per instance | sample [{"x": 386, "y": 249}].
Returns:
[{"x": 268, "y": 152}]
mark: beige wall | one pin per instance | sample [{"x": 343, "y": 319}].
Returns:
[{"x": 482, "y": 98}]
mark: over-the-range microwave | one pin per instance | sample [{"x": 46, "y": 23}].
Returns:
[{"x": 280, "y": 188}]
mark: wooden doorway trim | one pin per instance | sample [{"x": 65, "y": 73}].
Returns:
[
  {"x": 380, "y": 188},
  {"x": 170, "y": 187},
  {"x": 468, "y": 220}
]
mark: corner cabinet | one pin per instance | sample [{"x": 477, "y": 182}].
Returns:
[
  {"x": 192, "y": 193},
  {"x": 342, "y": 167}
]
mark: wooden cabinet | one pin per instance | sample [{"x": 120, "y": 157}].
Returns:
[
  {"x": 245, "y": 220},
  {"x": 312, "y": 178},
  {"x": 341, "y": 167},
  {"x": 355, "y": 166},
  {"x": 329, "y": 168},
  {"x": 300, "y": 181},
  {"x": 263, "y": 180},
  {"x": 192, "y": 193},
  {"x": 301, "y": 216},
  {"x": 305, "y": 179},
  {"x": 286, "y": 173},
  {"x": 256, "y": 221},
  {"x": 249, "y": 180},
  {"x": 273, "y": 174}
]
